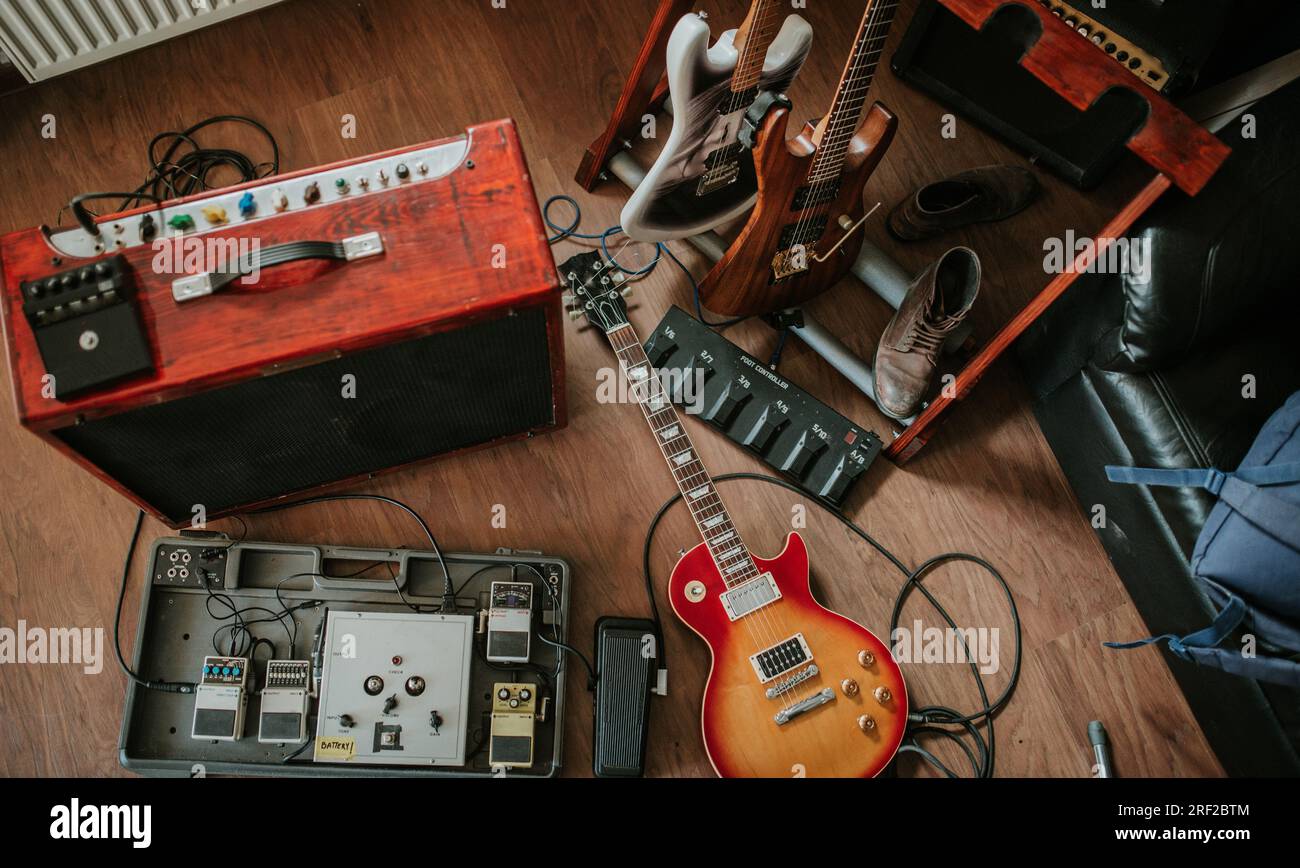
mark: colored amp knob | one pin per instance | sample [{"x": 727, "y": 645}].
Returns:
[
  {"x": 181, "y": 222},
  {"x": 247, "y": 205}
]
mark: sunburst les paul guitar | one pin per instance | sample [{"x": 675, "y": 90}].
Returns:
[
  {"x": 795, "y": 689},
  {"x": 805, "y": 230}
]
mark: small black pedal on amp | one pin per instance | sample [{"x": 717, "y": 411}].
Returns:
[
  {"x": 626, "y": 662},
  {"x": 789, "y": 429},
  {"x": 87, "y": 326}
]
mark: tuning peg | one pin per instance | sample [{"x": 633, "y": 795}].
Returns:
[
  {"x": 568, "y": 299},
  {"x": 576, "y": 313},
  {"x": 625, "y": 291}
]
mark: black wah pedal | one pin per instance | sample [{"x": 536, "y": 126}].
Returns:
[{"x": 626, "y": 662}]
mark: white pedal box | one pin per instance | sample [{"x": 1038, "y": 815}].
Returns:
[
  {"x": 514, "y": 716},
  {"x": 510, "y": 622},
  {"x": 286, "y": 694},
  {"x": 221, "y": 699}
]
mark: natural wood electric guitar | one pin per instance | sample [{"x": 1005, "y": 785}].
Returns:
[
  {"x": 795, "y": 689},
  {"x": 805, "y": 230},
  {"x": 703, "y": 176}
]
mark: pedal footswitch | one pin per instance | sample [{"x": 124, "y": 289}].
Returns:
[
  {"x": 221, "y": 699},
  {"x": 510, "y": 619},
  {"x": 286, "y": 694},
  {"x": 514, "y": 718}
]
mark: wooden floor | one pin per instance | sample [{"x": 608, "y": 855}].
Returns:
[{"x": 988, "y": 484}]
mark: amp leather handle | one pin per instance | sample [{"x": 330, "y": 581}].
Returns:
[{"x": 195, "y": 286}]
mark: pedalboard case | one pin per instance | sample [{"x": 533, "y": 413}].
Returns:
[
  {"x": 249, "y": 344},
  {"x": 383, "y": 691}
]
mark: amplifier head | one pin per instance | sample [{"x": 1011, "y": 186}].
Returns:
[{"x": 247, "y": 345}]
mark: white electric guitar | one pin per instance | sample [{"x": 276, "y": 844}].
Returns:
[{"x": 704, "y": 176}]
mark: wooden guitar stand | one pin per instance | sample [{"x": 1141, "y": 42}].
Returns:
[{"x": 1182, "y": 152}]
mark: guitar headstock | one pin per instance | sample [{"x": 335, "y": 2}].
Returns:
[{"x": 597, "y": 290}]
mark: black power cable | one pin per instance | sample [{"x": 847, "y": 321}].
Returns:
[
  {"x": 927, "y": 720},
  {"x": 175, "y": 175}
]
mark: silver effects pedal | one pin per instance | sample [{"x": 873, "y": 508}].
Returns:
[
  {"x": 510, "y": 622},
  {"x": 286, "y": 695},
  {"x": 221, "y": 699}
]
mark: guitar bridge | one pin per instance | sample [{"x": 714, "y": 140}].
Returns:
[
  {"x": 790, "y": 682},
  {"x": 717, "y": 177},
  {"x": 804, "y": 706},
  {"x": 790, "y": 262}
]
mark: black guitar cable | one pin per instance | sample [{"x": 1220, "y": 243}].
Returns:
[
  {"x": 165, "y": 686},
  {"x": 570, "y": 230},
  {"x": 928, "y": 720},
  {"x": 178, "y": 173}
]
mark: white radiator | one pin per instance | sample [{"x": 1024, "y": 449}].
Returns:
[{"x": 45, "y": 38}]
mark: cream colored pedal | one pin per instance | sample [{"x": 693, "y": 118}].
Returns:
[{"x": 514, "y": 718}]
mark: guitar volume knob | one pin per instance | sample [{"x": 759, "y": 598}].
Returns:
[
  {"x": 866, "y": 658},
  {"x": 866, "y": 723},
  {"x": 849, "y": 686},
  {"x": 882, "y": 694}
]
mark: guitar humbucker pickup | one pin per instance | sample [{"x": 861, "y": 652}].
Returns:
[
  {"x": 751, "y": 596},
  {"x": 780, "y": 658}
]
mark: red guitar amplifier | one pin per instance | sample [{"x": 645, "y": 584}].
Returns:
[{"x": 225, "y": 351}]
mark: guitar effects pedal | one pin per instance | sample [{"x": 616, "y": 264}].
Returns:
[
  {"x": 510, "y": 618},
  {"x": 514, "y": 716},
  {"x": 221, "y": 699},
  {"x": 285, "y": 697}
]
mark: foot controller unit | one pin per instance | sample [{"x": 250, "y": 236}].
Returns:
[{"x": 790, "y": 430}]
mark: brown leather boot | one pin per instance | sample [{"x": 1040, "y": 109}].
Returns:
[
  {"x": 935, "y": 304},
  {"x": 975, "y": 196}
]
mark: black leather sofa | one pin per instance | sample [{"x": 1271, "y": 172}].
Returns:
[{"x": 1155, "y": 374}]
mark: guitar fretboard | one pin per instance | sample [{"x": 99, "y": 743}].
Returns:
[
  {"x": 711, "y": 517},
  {"x": 851, "y": 95},
  {"x": 756, "y": 36}
]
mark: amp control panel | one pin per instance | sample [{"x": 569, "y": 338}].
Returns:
[{"x": 790, "y": 430}]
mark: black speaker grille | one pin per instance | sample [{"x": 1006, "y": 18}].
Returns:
[{"x": 275, "y": 435}]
